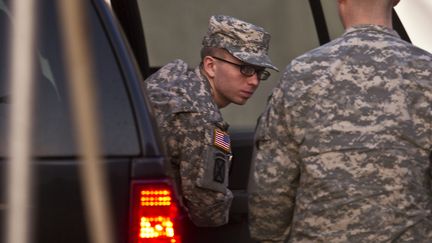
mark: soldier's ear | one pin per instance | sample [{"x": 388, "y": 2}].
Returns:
[
  {"x": 209, "y": 66},
  {"x": 341, "y": 1}
]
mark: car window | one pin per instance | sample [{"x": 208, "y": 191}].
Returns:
[
  {"x": 174, "y": 29},
  {"x": 53, "y": 134}
]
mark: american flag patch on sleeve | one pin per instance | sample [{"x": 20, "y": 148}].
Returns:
[{"x": 222, "y": 140}]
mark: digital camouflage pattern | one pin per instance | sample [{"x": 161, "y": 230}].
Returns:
[
  {"x": 342, "y": 149},
  {"x": 188, "y": 118},
  {"x": 245, "y": 41}
]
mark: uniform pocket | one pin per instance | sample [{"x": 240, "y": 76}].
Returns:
[{"x": 217, "y": 162}]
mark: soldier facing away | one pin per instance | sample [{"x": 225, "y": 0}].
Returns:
[
  {"x": 342, "y": 149},
  {"x": 186, "y": 102}
]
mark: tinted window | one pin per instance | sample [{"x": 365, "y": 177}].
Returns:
[{"x": 53, "y": 131}]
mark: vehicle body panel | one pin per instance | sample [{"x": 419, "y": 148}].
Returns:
[{"x": 131, "y": 147}]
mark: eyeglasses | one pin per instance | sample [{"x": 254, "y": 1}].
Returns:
[{"x": 248, "y": 70}]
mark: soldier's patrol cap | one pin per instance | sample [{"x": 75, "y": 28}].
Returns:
[{"x": 247, "y": 42}]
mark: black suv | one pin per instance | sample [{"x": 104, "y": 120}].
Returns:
[{"x": 131, "y": 151}]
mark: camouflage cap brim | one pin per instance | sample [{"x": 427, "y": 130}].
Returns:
[{"x": 256, "y": 60}]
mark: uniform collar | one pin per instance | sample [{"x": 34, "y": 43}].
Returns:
[
  {"x": 371, "y": 28},
  {"x": 199, "y": 73},
  {"x": 217, "y": 118}
]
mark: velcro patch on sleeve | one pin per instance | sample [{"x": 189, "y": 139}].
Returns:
[{"x": 219, "y": 169}]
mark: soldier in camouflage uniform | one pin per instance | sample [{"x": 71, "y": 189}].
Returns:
[
  {"x": 342, "y": 149},
  {"x": 186, "y": 102}
]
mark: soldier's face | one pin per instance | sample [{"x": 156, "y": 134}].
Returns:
[{"x": 230, "y": 85}]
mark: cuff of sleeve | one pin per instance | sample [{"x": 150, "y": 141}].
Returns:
[{"x": 210, "y": 215}]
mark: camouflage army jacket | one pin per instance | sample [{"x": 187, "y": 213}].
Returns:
[
  {"x": 198, "y": 146},
  {"x": 342, "y": 149}
]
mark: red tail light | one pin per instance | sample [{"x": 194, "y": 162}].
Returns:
[{"x": 154, "y": 213}]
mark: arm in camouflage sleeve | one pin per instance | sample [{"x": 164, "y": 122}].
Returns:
[
  {"x": 275, "y": 174},
  {"x": 207, "y": 201}
]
